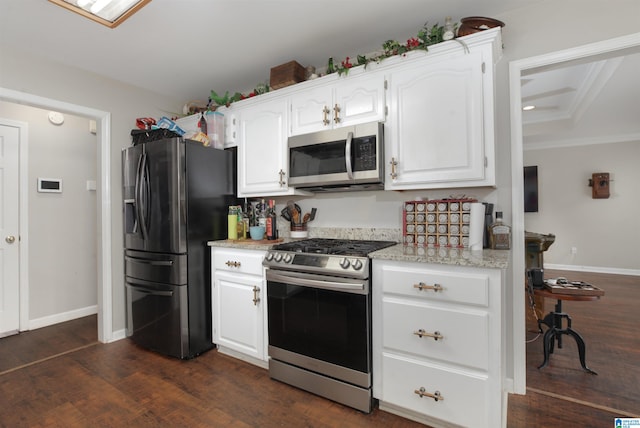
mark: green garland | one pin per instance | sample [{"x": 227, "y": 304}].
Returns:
[{"x": 426, "y": 37}]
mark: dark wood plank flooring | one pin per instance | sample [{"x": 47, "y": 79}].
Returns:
[{"x": 120, "y": 384}]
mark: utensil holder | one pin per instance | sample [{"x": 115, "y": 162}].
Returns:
[{"x": 299, "y": 230}]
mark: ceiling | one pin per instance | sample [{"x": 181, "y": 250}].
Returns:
[
  {"x": 186, "y": 48},
  {"x": 584, "y": 102}
]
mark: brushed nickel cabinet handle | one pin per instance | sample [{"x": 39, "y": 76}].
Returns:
[
  {"x": 232, "y": 263},
  {"x": 422, "y": 392},
  {"x": 422, "y": 286},
  {"x": 256, "y": 298},
  {"x": 336, "y": 114},
  {"x": 282, "y": 183},
  {"x": 393, "y": 163},
  {"x": 436, "y": 335},
  {"x": 325, "y": 115}
]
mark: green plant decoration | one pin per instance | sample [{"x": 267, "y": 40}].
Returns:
[{"x": 427, "y": 36}]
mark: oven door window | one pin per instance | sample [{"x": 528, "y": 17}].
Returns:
[{"x": 327, "y": 325}]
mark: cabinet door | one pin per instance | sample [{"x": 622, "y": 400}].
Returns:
[
  {"x": 310, "y": 110},
  {"x": 262, "y": 153},
  {"x": 238, "y": 313},
  {"x": 359, "y": 100},
  {"x": 436, "y": 135}
]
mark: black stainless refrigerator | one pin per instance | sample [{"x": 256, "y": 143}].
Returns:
[{"x": 176, "y": 197}]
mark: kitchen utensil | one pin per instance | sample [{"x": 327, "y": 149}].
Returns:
[
  {"x": 285, "y": 214},
  {"x": 313, "y": 214},
  {"x": 306, "y": 217}
]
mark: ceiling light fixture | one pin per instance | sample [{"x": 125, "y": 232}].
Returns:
[
  {"x": 107, "y": 12},
  {"x": 528, "y": 108}
]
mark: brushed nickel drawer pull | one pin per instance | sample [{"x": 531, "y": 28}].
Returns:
[
  {"x": 423, "y": 393},
  {"x": 436, "y": 335},
  {"x": 336, "y": 114},
  {"x": 232, "y": 264},
  {"x": 422, "y": 286}
]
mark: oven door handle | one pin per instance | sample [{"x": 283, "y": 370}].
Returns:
[{"x": 317, "y": 281}]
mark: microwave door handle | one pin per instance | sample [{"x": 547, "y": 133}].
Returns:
[{"x": 347, "y": 155}]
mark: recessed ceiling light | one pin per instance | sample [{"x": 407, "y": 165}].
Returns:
[
  {"x": 528, "y": 108},
  {"x": 107, "y": 12}
]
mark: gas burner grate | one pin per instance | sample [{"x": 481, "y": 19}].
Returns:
[{"x": 346, "y": 247}]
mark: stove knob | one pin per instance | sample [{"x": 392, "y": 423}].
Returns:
[
  {"x": 278, "y": 257},
  {"x": 268, "y": 257},
  {"x": 287, "y": 258},
  {"x": 344, "y": 263},
  {"x": 357, "y": 264}
]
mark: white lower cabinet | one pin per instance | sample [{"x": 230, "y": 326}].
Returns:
[
  {"x": 437, "y": 346},
  {"x": 239, "y": 304}
]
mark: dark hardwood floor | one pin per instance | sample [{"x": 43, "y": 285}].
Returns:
[{"x": 85, "y": 383}]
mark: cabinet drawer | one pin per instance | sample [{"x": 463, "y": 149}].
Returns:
[
  {"x": 236, "y": 260},
  {"x": 451, "y": 286},
  {"x": 464, "y": 338},
  {"x": 464, "y": 397}
]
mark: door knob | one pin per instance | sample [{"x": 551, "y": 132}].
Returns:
[{"x": 10, "y": 239}]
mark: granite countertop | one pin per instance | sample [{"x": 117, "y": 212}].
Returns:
[
  {"x": 247, "y": 244},
  {"x": 497, "y": 259}
]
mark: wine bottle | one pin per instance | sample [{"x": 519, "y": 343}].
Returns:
[{"x": 272, "y": 232}]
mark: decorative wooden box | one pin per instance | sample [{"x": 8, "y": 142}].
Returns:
[
  {"x": 286, "y": 74},
  {"x": 437, "y": 222}
]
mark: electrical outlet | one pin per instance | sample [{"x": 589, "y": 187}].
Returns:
[{"x": 574, "y": 251}]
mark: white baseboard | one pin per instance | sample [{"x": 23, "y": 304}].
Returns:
[
  {"x": 62, "y": 317},
  {"x": 118, "y": 335},
  {"x": 595, "y": 269}
]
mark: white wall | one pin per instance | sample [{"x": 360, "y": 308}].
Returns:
[
  {"x": 52, "y": 80},
  {"x": 62, "y": 226},
  {"x": 603, "y": 231}
]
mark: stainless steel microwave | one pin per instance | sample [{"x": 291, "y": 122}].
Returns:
[{"x": 347, "y": 158}]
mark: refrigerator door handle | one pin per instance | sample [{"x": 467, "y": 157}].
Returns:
[
  {"x": 142, "y": 186},
  {"x": 151, "y": 292},
  {"x": 149, "y": 262}
]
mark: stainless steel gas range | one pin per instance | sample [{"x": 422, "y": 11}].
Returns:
[{"x": 319, "y": 314}]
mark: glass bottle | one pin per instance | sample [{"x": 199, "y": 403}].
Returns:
[
  {"x": 271, "y": 220},
  {"x": 500, "y": 233},
  {"x": 232, "y": 223},
  {"x": 262, "y": 214},
  {"x": 242, "y": 232}
]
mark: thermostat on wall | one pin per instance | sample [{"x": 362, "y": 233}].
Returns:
[{"x": 50, "y": 185}]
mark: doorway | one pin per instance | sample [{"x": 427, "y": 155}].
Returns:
[
  {"x": 610, "y": 48},
  {"x": 104, "y": 277}
]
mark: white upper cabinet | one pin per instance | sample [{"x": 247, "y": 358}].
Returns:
[
  {"x": 262, "y": 149},
  {"x": 347, "y": 101},
  {"x": 440, "y": 131}
]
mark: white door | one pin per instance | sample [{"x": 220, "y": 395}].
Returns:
[{"x": 9, "y": 238}]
